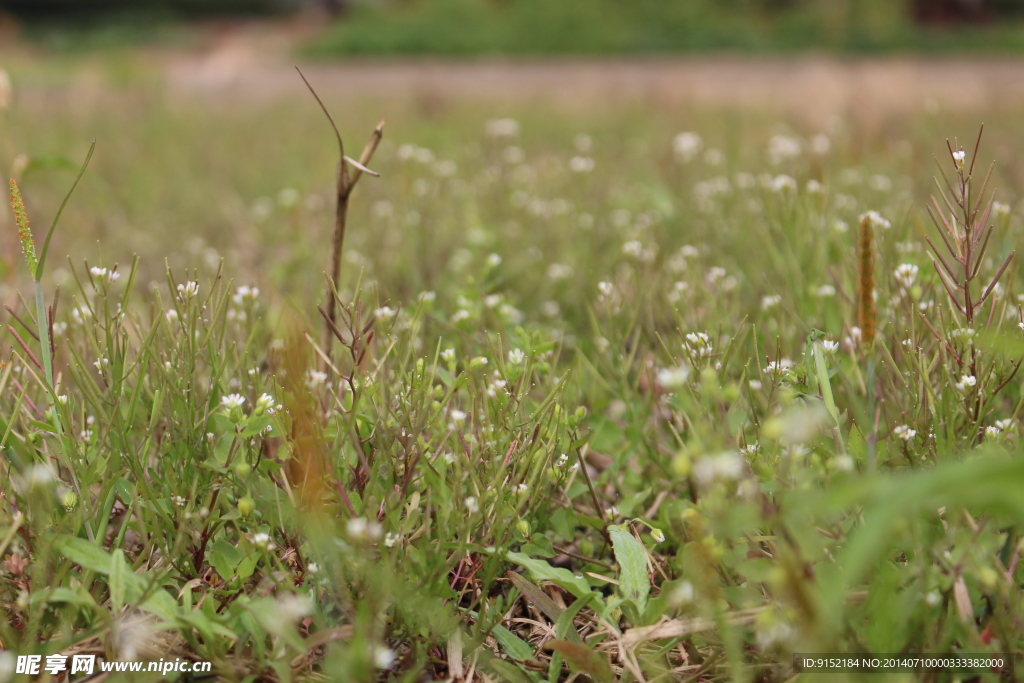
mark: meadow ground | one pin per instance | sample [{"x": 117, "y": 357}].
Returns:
[{"x": 632, "y": 382}]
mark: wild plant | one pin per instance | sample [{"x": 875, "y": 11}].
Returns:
[{"x": 963, "y": 222}]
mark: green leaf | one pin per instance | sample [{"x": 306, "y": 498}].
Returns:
[
  {"x": 634, "y": 581},
  {"x": 207, "y": 627},
  {"x": 268, "y": 613},
  {"x": 119, "y": 571},
  {"x": 224, "y": 557},
  {"x": 255, "y": 426},
  {"x": 83, "y": 553},
  {"x": 93, "y": 558},
  {"x": 61, "y": 594},
  {"x": 125, "y": 490},
  {"x": 564, "y": 626},
  {"x": 542, "y": 571},
  {"x": 509, "y": 672},
  {"x": 511, "y": 644},
  {"x": 247, "y": 566},
  {"x": 582, "y": 658}
]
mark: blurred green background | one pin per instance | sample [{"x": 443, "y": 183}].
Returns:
[{"x": 568, "y": 27}]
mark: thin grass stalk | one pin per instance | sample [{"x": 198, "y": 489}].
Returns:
[{"x": 346, "y": 182}]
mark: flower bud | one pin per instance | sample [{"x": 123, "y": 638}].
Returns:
[{"x": 246, "y": 506}]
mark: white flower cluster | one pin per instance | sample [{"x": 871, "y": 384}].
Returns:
[
  {"x": 687, "y": 146},
  {"x": 966, "y": 382},
  {"x": 698, "y": 344},
  {"x": 875, "y": 220},
  {"x": 188, "y": 290},
  {"x": 104, "y": 275},
  {"x": 723, "y": 467},
  {"x": 906, "y": 274},
  {"x": 904, "y": 432},
  {"x": 243, "y": 294}
]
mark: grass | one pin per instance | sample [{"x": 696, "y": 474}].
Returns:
[
  {"x": 598, "y": 406},
  {"x": 606, "y": 27}
]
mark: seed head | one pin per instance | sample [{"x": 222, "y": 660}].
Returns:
[{"x": 28, "y": 245}]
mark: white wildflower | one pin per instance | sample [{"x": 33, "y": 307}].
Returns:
[
  {"x": 820, "y": 144},
  {"x": 782, "y": 148},
  {"x": 633, "y": 248},
  {"x": 906, "y": 274},
  {"x": 516, "y": 357},
  {"x": 875, "y": 219},
  {"x": 188, "y": 290},
  {"x": 904, "y": 432},
  {"x": 262, "y": 540},
  {"x": 673, "y": 378},
  {"x": 966, "y": 382},
  {"x": 682, "y": 594},
  {"x": 687, "y": 146},
  {"x": 472, "y": 506},
  {"x": 232, "y": 401},
  {"x": 383, "y": 657},
  {"x": 581, "y": 164},
  {"x": 722, "y": 467},
  {"x": 502, "y": 128}
]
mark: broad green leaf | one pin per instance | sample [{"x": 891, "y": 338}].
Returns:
[
  {"x": 542, "y": 571},
  {"x": 511, "y": 644},
  {"x": 634, "y": 581},
  {"x": 62, "y": 594},
  {"x": 83, "y": 553},
  {"x": 247, "y": 566},
  {"x": 93, "y": 558},
  {"x": 224, "y": 557}
]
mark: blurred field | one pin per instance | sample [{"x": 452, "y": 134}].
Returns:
[{"x": 618, "y": 347}]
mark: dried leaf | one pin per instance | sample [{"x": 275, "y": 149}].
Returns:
[
  {"x": 536, "y": 596},
  {"x": 963, "y": 600},
  {"x": 582, "y": 658}
]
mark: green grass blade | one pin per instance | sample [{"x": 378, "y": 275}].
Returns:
[{"x": 46, "y": 243}]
